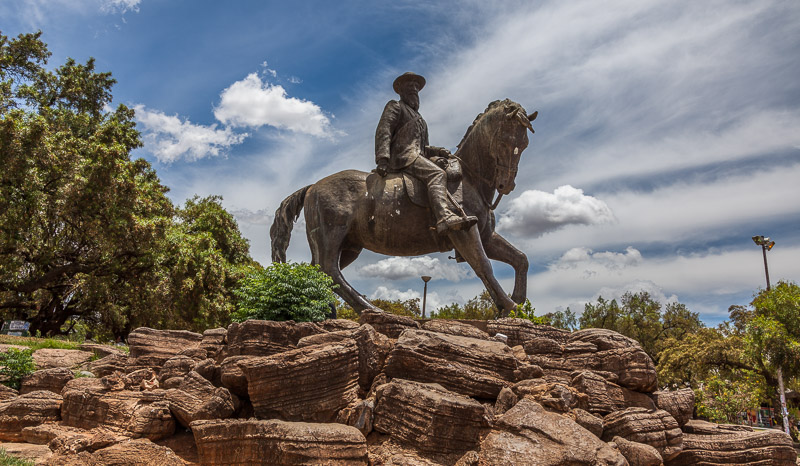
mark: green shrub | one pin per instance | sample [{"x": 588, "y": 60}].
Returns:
[
  {"x": 284, "y": 291},
  {"x": 526, "y": 311},
  {"x": 16, "y": 364}
]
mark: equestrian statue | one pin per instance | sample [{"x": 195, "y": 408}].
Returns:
[{"x": 419, "y": 199}]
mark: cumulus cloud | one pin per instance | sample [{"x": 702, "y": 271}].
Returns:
[
  {"x": 535, "y": 212},
  {"x": 254, "y": 103},
  {"x": 170, "y": 139},
  {"x": 251, "y": 217},
  {"x": 398, "y": 268},
  {"x": 637, "y": 286}
]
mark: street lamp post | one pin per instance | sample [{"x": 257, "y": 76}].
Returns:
[
  {"x": 767, "y": 245},
  {"x": 425, "y": 279}
]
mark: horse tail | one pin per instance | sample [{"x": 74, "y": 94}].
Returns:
[{"x": 281, "y": 231}]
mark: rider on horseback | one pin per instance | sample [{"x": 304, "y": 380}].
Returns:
[{"x": 401, "y": 144}]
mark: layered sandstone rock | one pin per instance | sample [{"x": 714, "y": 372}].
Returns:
[
  {"x": 614, "y": 353},
  {"x": 306, "y": 384},
  {"x": 388, "y": 324},
  {"x": 7, "y": 393},
  {"x": 278, "y": 443},
  {"x": 131, "y": 452},
  {"x": 213, "y": 341},
  {"x": 197, "y": 399},
  {"x": 30, "y": 409},
  {"x": 335, "y": 325},
  {"x": 770, "y": 447},
  {"x": 454, "y": 327},
  {"x": 605, "y": 397},
  {"x": 520, "y": 331},
  {"x": 552, "y": 395},
  {"x": 46, "y": 379},
  {"x": 107, "y": 365},
  {"x": 638, "y": 454},
  {"x": 152, "y": 348},
  {"x": 176, "y": 366},
  {"x": 530, "y": 435},
  {"x": 232, "y": 377},
  {"x": 265, "y": 338},
  {"x": 49, "y": 358},
  {"x": 87, "y": 404},
  {"x": 696, "y": 426},
  {"x": 656, "y": 428},
  {"x": 468, "y": 366},
  {"x": 429, "y": 417},
  {"x": 101, "y": 351},
  {"x": 679, "y": 403}
]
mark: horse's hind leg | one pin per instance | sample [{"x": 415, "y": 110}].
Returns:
[
  {"x": 468, "y": 243},
  {"x": 328, "y": 253}
]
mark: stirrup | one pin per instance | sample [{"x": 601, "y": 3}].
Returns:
[{"x": 456, "y": 223}]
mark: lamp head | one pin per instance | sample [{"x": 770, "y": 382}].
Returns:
[{"x": 426, "y": 278}]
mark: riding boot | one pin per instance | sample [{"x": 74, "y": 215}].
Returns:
[{"x": 446, "y": 219}]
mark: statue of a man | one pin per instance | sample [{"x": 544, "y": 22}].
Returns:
[{"x": 401, "y": 144}]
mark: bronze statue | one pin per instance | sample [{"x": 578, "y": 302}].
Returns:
[{"x": 388, "y": 213}]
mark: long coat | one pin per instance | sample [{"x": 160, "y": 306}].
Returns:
[{"x": 401, "y": 137}]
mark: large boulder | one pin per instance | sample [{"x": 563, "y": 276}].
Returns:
[
  {"x": 151, "y": 348},
  {"x": 87, "y": 404},
  {"x": 46, "y": 379},
  {"x": 26, "y": 410},
  {"x": 213, "y": 341},
  {"x": 306, "y": 384},
  {"x": 429, "y": 418},
  {"x": 609, "y": 351},
  {"x": 656, "y": 428},
  {"x": 605, "y": 397},
  {"x": 527, "y": 434},
  {"x": 552, "y": 395},
  {"x": 679, "y": 403},
  {"x": 197, "y": 399},
  {"x": 265, "y": 337},
  {"x": 638, "y": 454},
  {"x": 138, "y": 452},
  {"x": 469, "y": 366},
  {"x": 520, "y": 331},
  {"x": 278, "y": 442},
  {"x": 99, "y": 350},
  {"x": 107, "y": 365},
  {"x": 232, "y": 377},
  {"x": 388, "y": 324},
  {"x": 770, "y": 447},
  {"x": 7, "y": 393}
]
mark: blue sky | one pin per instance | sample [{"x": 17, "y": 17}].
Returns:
[{"x": 668, "y": 135}]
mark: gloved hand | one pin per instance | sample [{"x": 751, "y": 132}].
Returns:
[
  {"x": 440, "y": 161},
  {"x": 383, "y": 168}
]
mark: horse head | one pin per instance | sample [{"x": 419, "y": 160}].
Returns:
[{"x": 494, "y": 143}]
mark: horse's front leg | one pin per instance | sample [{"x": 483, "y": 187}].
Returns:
[
  {"x": 498, "y": 248},
  {"x": 468, "y": 244}
]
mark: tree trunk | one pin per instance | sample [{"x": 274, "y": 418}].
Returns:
[{"x": 782, "y": 394}]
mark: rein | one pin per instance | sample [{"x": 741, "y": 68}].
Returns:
[{"x": 491, "y": 205}]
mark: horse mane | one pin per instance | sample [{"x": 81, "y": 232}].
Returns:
[{"x": 489, "y": 108}]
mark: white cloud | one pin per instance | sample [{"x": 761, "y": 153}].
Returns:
[
  {"x": 398, "y": 268},
  {"x": 253, "y": 103},
  {"x": 590, "y": 262},
  {"x": 252, "y": 217},
  {"x": 534, "y": 212},
  {"x": 656, "y": 292},
  {"x": 119, "y": 6},
  {"x": 171, "y": 139}
]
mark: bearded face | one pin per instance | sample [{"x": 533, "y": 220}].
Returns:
[{"x": 410, "y": 95}]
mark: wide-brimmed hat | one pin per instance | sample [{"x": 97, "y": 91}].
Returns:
[{"x": 408, "y": 76}]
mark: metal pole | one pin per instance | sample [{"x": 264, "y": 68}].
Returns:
[
  {"x": 766, "y": 269},
  {"x": 424, "y": 299}
]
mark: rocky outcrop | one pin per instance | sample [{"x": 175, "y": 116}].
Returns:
[
  {"x": 530, "y": 435},
  {"x": 197, "y": 399},
  {"x": 388, "y": 324},
  {"x": 454, "y": 327},
  {"x": 464, "y": 365},
  {"x": 213, "y": 341},
  {"x": 679, "y": 403},
  {"x": 87, "y": 404},
  {"x": 520, "y": 331},
  {"x": 306, "y": 384},
  {"x": 108, "y": 365},
  {"x": 770, "y": 447},
  {"x": 152, "y": 348},
  {"x": 605, "y": 397},
  {"x": 232, "y": 377},
  {"x": 278, "y": 443},
  {"x": 429, "y": 418},
  {"x": 46, "y": 379},
  {"x": 696, "y": 426},
  {"x": 7, "y": 393},
  {"x": 656, "y": 428},
  {"x": 101, "y": 351},
  {"x": 176, "y": 366},
  {"x": 130, "y": 452},
  {"x": 552, "y": 395},
  {"x": 30, "y": 409}
]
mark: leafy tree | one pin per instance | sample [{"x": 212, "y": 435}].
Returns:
[
  {"x": 640, "y": 317},
  {"x": 721, "y": 400},
  {"x": 566, "y": 320},
  {"x": 526, "y": 311},
  {"x": 285, "y": 291},
  {"x": 407, "y": 308},
  {"x": 480, "y": 307},
  {"x": 74, "y": 209}
]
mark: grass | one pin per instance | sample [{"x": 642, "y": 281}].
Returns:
[
  {"x": 38, "y": 343},
  {"x": 8, "y": 460}
]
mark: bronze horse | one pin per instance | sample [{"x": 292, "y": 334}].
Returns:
[{"x": 343, "y": 217}]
